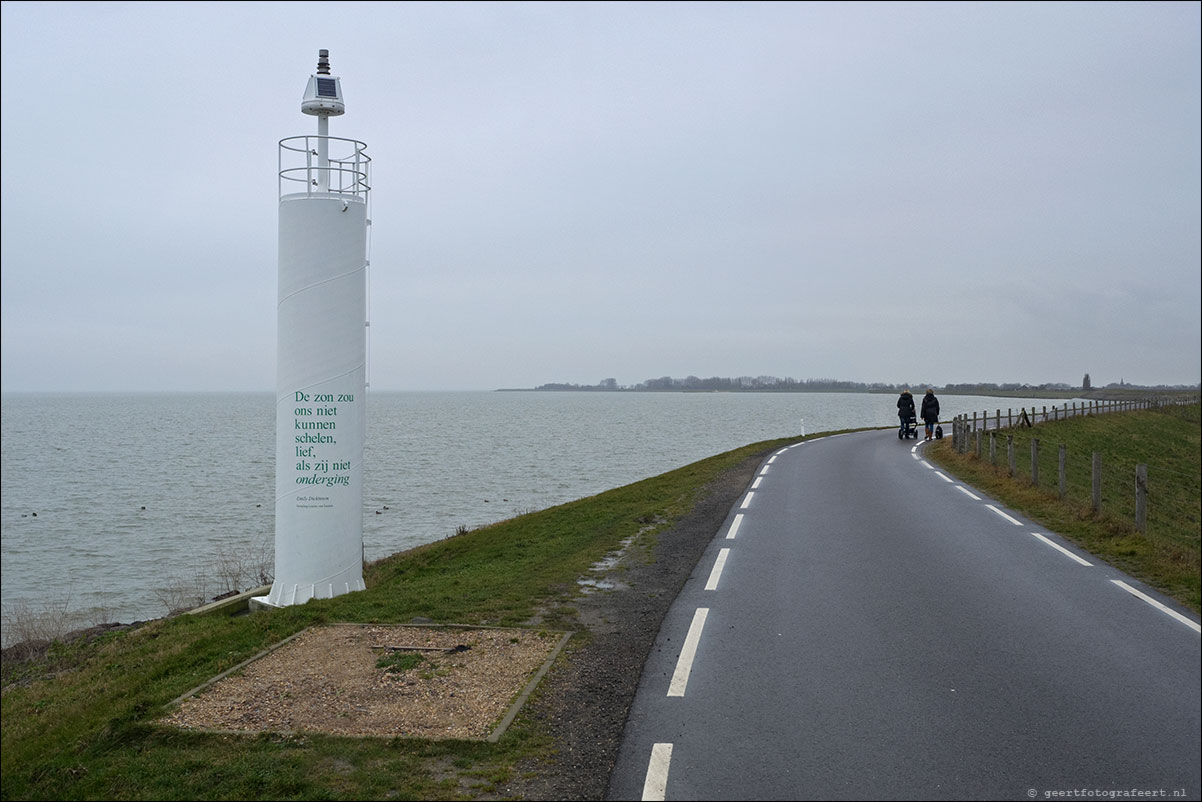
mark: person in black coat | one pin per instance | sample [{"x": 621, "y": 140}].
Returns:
[
  {"x": 930, "y": 412},
  {"x": 905, "y": 407}
]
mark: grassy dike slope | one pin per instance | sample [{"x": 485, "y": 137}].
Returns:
[
  {"x": 1168, "y": 440},
  {"x": 80, "y": 723}
]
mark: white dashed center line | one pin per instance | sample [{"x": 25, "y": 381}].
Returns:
[
  {"x": 684, "y": 664},
  {"x": 716, "y": 573},
  {"x": 1004, "y": 515},
  {"x": 656, "y": 784},
  {"x": 1061, "y": 549},
  {"x": 1145, "y": 597}
]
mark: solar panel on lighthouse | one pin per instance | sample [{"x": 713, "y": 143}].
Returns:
[{"x": 327, "y": 87}]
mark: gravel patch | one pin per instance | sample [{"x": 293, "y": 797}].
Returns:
[{"x": 411, "y": 682}]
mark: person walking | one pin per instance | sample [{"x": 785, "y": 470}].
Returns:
[
  {"x": 930, "y": 412},
  {"x": 905, "y": 408}
]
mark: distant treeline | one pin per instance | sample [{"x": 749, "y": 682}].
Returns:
[{"x": 762, "y": 384}]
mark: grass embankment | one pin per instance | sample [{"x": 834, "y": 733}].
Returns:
[
  {"x": 80, "y": 724},
  {"x": 1168, "y": 440}
]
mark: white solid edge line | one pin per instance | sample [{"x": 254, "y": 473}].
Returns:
[
  {"x": 1062, "y": 550},
  {"x": 1004, "y": 515},
  {"x": 945, "y": 477},
  {"x": 915, "y": 456},
  {"x": 1194, "y": 625},
  {"x": 655, "y": 786},
  {"x": 747, "y": 500},
  {"x": 756, "y": 484},
  {"x": 928, "y": 465},
  {"x": 734, "y": 526},
  {"x": 684, "y": 664},
  {"x": 716, "y": 573},
  {"x": 966, "y": 492}
]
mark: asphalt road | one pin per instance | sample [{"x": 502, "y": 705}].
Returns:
[{"x": 872, "y": 629}]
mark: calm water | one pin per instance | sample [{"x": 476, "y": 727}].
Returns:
[{"x": 107, "y": 499}]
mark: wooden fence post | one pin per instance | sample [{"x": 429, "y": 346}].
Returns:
[
  {"x": 1141, "y": 498},
  {"x": 992, "y": 449},
  {"x": 1010, "y": 453},
  {"x": 978, "y": 443},
  {"x": 1061, "y": 475},
  {"x": 1096, "y": 481},
  {"x": 1035, "y": 461}
]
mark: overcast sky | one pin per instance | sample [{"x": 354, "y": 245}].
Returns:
[{"x": 571, "y": 192}]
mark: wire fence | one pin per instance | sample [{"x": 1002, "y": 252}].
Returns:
[
  {"x": 1156, "y": 498},
  {"x": 1021, "y": 417}
]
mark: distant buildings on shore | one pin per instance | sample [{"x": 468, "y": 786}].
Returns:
[{"x": 761, "y": 384}]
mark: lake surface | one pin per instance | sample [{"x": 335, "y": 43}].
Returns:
[{"x": 110, "y": 500}]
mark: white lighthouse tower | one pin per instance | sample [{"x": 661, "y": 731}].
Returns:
[{"x": 322, "y": 355}]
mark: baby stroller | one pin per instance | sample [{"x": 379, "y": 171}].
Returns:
[{"x": 908, "y": 428}]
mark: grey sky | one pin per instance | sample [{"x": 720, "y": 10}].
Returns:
[{"x": 569, "y": 192}]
